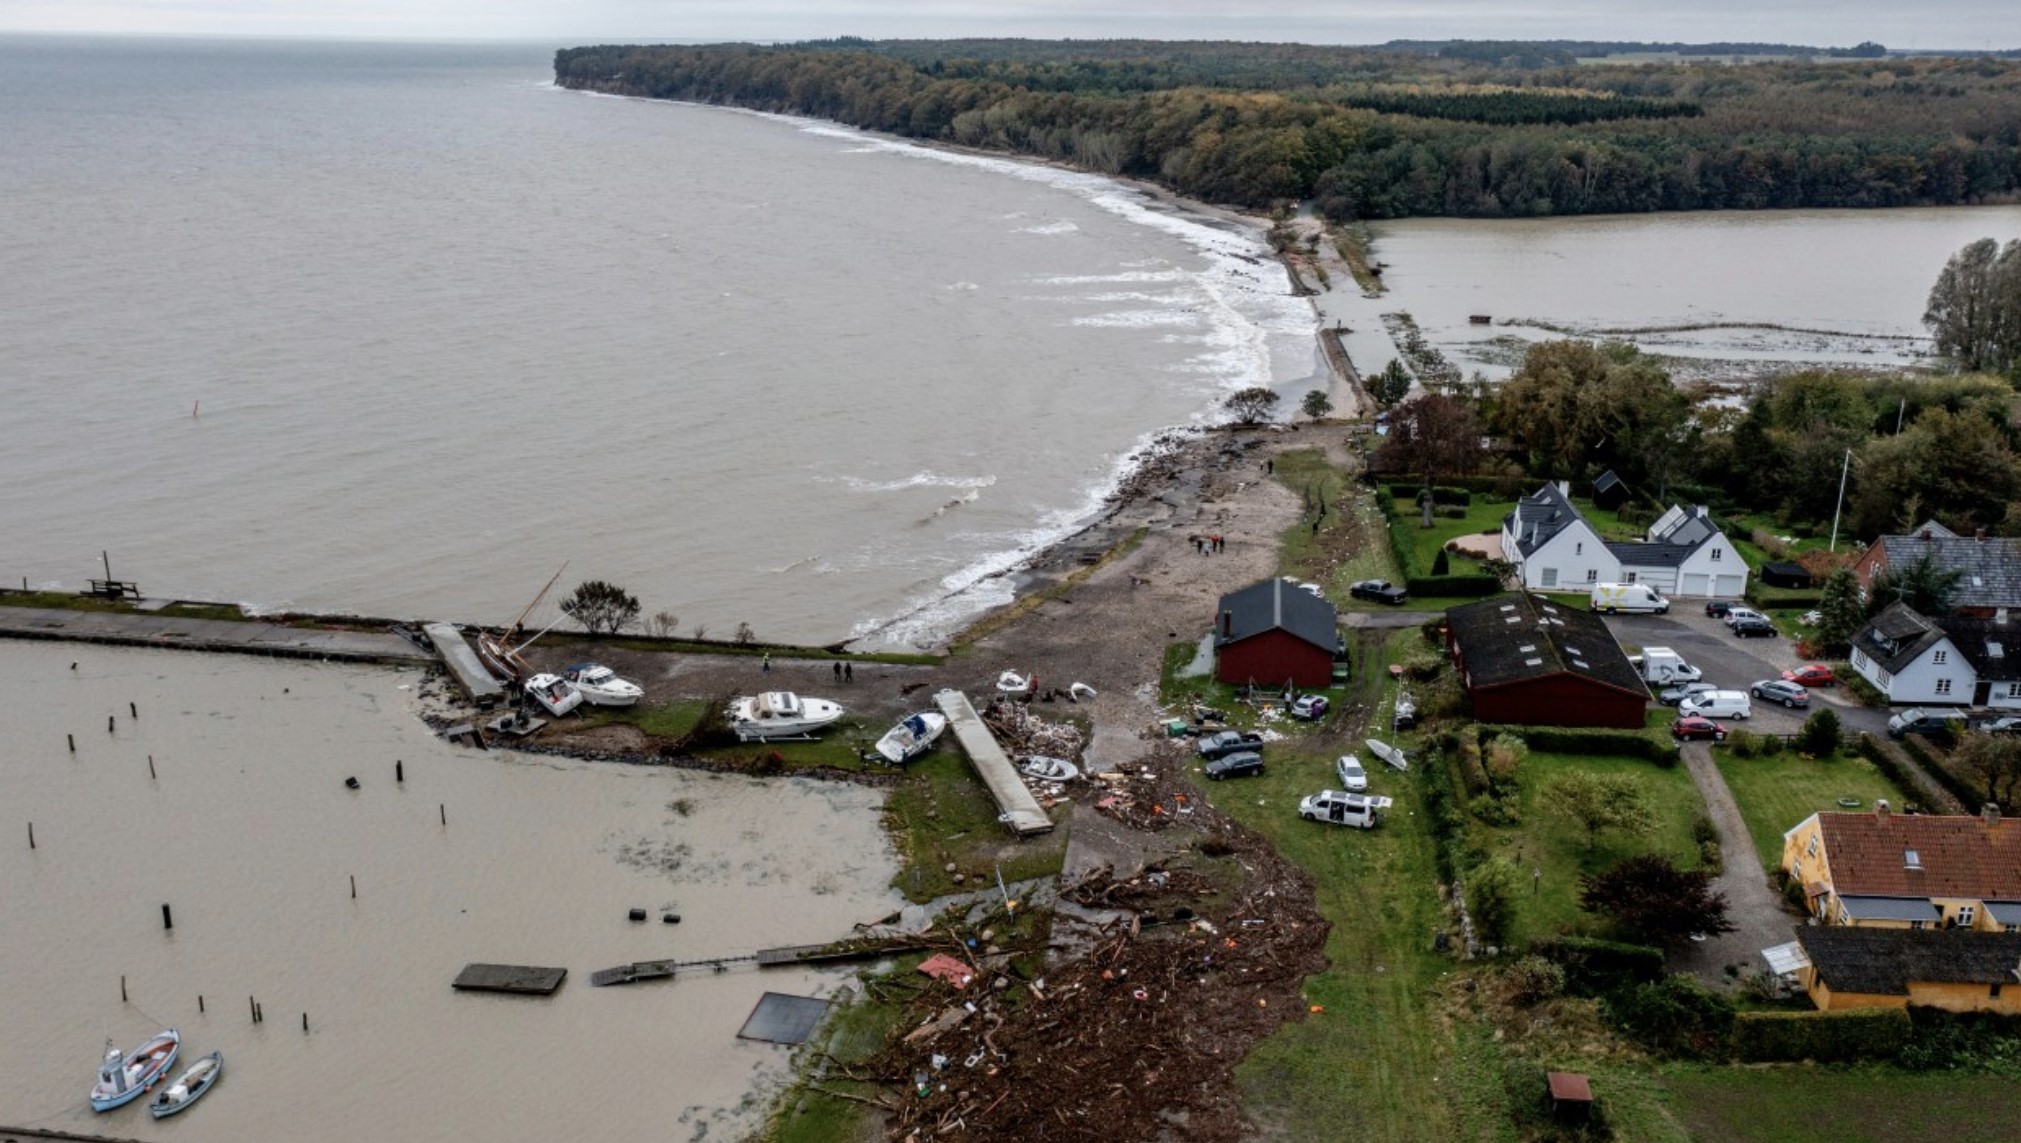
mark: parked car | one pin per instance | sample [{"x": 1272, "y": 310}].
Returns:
[
  {"x": 1617, "y": 597},
  {"x": 1222, "y": 743},
  {"x": 1718, "y": 704},
  {"x": 1717, "y": 608},
  {"x": 1753, "y": 627},
  {"x": 1339, "y": 808},
  {"x": 2005, "y": 724},
  {"x": 1352, "y": 776},
  {"x": 1921, "y": 720},
  {"x": 1671, "y": 696},
  {"x": 1380, "y": 590},
  {"x": 1739, "y": 611},
  {"x": 1810, "y": 675},
  {"x": 1692, "y": 726},
  {"x": 1309, "y": 707},
  {"x": 1782, "y": 691},
  {"x": 1247, "y": 764}
]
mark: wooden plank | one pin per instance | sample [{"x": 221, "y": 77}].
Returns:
[
  {"x": 520, "y": 979},
  {"x": 1015, "y": 804}
]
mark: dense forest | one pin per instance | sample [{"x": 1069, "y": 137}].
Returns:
[{"x": 1398, "y": 130}]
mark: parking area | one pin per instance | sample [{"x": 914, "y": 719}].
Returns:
[{"x": 1735, "y": 663}]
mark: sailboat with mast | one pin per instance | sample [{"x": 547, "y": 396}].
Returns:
[{"x": 502, "y": 658}]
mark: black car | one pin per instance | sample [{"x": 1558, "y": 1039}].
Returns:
[
  {"x": 1718, "y": 608},
  {"x": 1248, "y": 764},
  {"x": 1380, "y": 590},
  {"x": 1749, "y": 626}
]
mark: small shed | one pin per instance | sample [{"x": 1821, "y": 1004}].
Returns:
[
  {"x": 1785, "y": 574},
  {"x": 1610, "y": 491},
  {"x": 1571, "y": 1095}
]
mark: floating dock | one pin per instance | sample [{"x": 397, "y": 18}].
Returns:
[
  {"x": 461, "y": 657},
  {"x": 832, "y": 953},
  {"x": 518, "y": 979},
  {"x": 1014, "y": 802}
]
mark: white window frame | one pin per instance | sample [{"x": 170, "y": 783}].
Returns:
[
  {"x": 1939, "y": 658},
  {"x": 1579, "y": 548},
  {"x": 1550, "y": 577},
  {"x": 1811, "y": 849},
  {"x": 1944, "y": 684},
  {"x": 1715, "y": 555},
  {"x": 1593, "y": 576},
  {"x": 2014, "y": 690},
  {"x": 1966, "y": 915}
]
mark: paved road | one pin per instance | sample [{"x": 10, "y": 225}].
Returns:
[
  {"x": 1737, "y": 663},
  {"x": 1760, "y": 916}
]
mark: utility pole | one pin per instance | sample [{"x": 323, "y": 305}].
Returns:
[{"x": 1841, "y": 507}]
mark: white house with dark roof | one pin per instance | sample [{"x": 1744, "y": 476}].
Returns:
[
  {"x": 1957, "y": 660},
  {"x": 1683, "y": 553}
]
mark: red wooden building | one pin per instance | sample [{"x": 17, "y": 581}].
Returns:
[
  {"x": 1271, "y": 633},
  {"x": 1529, "y": 661}
]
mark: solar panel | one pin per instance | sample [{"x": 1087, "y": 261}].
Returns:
[{"x": 783, "y": 1019}]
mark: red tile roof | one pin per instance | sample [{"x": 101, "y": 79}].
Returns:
[
  {"x": 1569, "y": 1086},
  {"x": 1960, "y": 855}
]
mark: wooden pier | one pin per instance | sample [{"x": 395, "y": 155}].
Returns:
[
  {"x": 788, "y": 956},
  {"x": 247, "y": 636},
  {"x": 462, "y": 660},
  {"x": 518, "y": 979},
  {"x": 1015, "y": 804}
]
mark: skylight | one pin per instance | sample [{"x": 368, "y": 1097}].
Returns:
[
  {"x": 1912, "y": 860},
  {"x": 1533, "y": 662}
]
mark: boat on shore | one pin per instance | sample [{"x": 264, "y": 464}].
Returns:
[
  {"x": 601, "y": 686},
  {"x": 781, "y": 714},
  {"x": 1044, "y": 769},
  {"x": 122, "y": 1077},
  {"x": 1388, "y": 753},
  {"x": 555, "y": 694},
  {"x": 188, "y": 1087},
  {"x": 914, "y": 735}
]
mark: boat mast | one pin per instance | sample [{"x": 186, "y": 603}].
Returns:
[{"x": 536, "y": 599}]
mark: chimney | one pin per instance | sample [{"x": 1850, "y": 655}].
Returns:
[
  {"x": 1565, "y": 487},
  {"x": 1881, "y": 808},
  {"x": 1926, "y": 535},
  {"x": 1990, "y": 813},
  {"x": 1228, "y": 625},
  {"x": 1979, "y": 534}
]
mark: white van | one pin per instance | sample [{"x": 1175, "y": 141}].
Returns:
[
  {"x": 1718, "y": 704},
  {"x": 1613, "y": 597}
]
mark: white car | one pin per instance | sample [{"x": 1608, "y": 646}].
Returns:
[
  {"x": 1350, "y": 773},
  {"x": 1340, "y": 808},
  {"x": 1717, "y": 704},
  {"x": 1310, "y": 707}
]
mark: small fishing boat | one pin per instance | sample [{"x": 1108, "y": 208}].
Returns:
[
  {"x": 554, "y": 693},
  {"x": 914, "y": 735},
  {"x": 1048, "y": 769},
  {"x": 189, "y": 1086},
  {"x": 1015, "y": 685},
  {"x": 601, "y": 686},
  {"x": 1388, "y": 753},
  {"x": 122, "y": 1077},
  {"x": 781, "y": 714}
]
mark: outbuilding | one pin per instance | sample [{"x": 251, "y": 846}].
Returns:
[
  {"x": 1275, "y": 632},
  {"x": 1528, "y": 661}
]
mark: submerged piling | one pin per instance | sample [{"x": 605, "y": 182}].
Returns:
[
  {"x": 354, "y": 887},
  {"x": 399, "y": 771},
  {"x": 150, "y": 765},
  {"x": 73, "y": 742},
  {"x": 122, "y": 988},
  {"x": 133, "y": 709},
  {"x": 443, "y": 809},
  {"x": 199, "y": 1002},
  {"x": 109, "y": 722},
  {"x": 31, "y": 835},
  {"x": 167, "y": 919}
]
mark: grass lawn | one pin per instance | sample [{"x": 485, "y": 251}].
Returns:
[
  {"x": 942, "y": 813},
  {"x": 1776, "y": 793},
  {"x": 1558, "y": 846},
  {"x": 1315, "y": 556},
  {"x": 1844, "y": 1105}
]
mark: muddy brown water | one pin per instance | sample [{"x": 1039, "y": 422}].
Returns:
[{"x": 249, "y": 833}]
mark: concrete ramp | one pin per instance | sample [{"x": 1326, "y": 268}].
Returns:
[
  {"x": 1015, "y": 805},
  {"x": 463, "y": 662}
]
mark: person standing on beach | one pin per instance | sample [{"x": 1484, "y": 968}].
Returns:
[
  {"x": 848, "y": 672},
  {"x": 838, "y": 670},
  {"x": 765, "y": 663}
]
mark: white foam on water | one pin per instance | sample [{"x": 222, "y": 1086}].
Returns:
[
  {"x": 1059, "y": 227},
  {"x": 1138, "y": 319},
  {"x": 916, "y": 480}
]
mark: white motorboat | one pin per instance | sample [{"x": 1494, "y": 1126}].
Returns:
[
  {"x": 1388, "y": 753},
  {"x": 914, "y": 735},
  {"x": 555, "y": 694},
  {"x": 601, "y": 686},
  {"x": 1048, "y": 769},
  {"x": 1015, "y": 685},
  {"x": 781, "y": 714}
]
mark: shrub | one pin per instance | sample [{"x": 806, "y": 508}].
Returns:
[
  {"x": 1950, "y": 1040},
  {"x": 1675, "y": 1015},
  {"x": 1593, "y": 967},
  {"x": 1496, "y": 809},
  {"x": 1710, "y": 858},
  {"x": 1473, "y": 775},
  {"x": 1702, "y": 830},
  {"x": 1826, "y": 1037},
  {"x": 1450, "y": 512},
  {"x": 1462, "y": 586},
  {"x": 1820, "y": 735},
  {"x": 1442, "y": 564},
  {"x": 1533, "y": 979},
  {"x": 1563, "y": 740},
  {"x": 1408, "y": 493},
  {"x": 1504, "y": 754},
  {"x": 1491, "y": 899}
]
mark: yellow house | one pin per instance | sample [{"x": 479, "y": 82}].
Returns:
[
  {"x": 1908, "y": 871},
  {"x": 1870, "y": 967}
]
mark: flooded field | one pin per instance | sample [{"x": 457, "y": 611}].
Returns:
[{"x": 248, "y": 831}]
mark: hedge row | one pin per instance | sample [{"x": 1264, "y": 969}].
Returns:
[
  {"x": 1890, "y": 767},
  {"x": 1595, "y": 966},
  {"x": 1404, "y": 545},
  {"x": 1936, "y": 769},
  {"x": 1564, "y": 740},
  {"x": 1440, "y": 495},
  {"x": 1827, "y": 1037}
]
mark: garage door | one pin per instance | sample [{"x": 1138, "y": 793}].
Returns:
[
  {"x": 1729, "y": 584},
  {"x": 1694, "y": 583}
]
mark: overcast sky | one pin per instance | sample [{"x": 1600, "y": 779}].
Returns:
[{"x": 1897, "y": 23}]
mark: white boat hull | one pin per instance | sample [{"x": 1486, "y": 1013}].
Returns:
[
  {"x": 912, "y": 737},
  {"x": 556, "y": 695},
  {"x": 781, "y": 714}
]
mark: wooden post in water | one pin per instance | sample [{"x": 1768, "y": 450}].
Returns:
[
  {"x": 122, "y": 988},
  {"x": 73, "y": 742},
  {"x": 399, "y": 770},
  {"x": 354, "y": 887},
  {"x": 109, "y": 723},
  {"x": 31, "y": 835},
  {"x": 150, "y": 765},
  {"x": 133, "y": 709},
  {"x": 305, "y": 1023},
  {"x": 259, "y": 1014},
  {"x": 167, "y": 920},
  {"x": 443, "y": 809},
  {"x": 253, "y": 1008},
  {"x": 199, "y": 1002}
]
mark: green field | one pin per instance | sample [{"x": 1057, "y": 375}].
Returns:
[
  {"x": 1845, "y": 1105},
  {"x": 1778, "y": 792}
]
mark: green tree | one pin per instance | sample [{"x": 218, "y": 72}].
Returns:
[
  {"x": 1432, "y": 435},
  {"x": 1491, "y": 900},
  {"x": 1974, "y": 310},
  {"x": 1316, "y": 404},
  {"x": 1579, "y": 407},
  {"x": 1251, "y": 405},
  {"x": 602, "y": 608},
  {"x": 1924, "y": 586},
  {"x": 1819, "y": 737},
  {"x": 1596, "y": 802},
  {"x": 1841, "y": 611},
  {"x": 1993, "y": 761},
  {"x": 1655, "y": 902},
  {"x": 1390, "y": 385}
]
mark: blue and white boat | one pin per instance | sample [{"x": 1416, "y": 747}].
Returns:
[
  {"x": 123, "y": 1077},
  {"x": 189, "y": 1086},
  {"x": 912, "y": 737}
]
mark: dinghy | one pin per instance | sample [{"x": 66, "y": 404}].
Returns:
[
  {"x": 1388, "y": 753},
  {"x": 189, "y": 1086}
]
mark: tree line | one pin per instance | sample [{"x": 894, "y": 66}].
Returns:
[{"x": 1371, "y": 133}]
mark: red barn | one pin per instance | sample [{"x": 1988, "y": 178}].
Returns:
[
  {"x": 1271, "y": 632},
  {"x": 1529, "y": 661}
]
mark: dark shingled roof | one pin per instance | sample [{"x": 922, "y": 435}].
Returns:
[
  {"x": 1897, "y": 637},
  {"x": 1989, "y": 569},
  {"x": 1993, "y": 648},
  {"x": 1272, "y": 605},
  {"x": 1511, "y": 638},
  {"x": 1883, "y": 962},
  {"x": 1958, "y": 855},
  {"x": 1670, "y": 547},
  {"x": 1540, "y": 516}
]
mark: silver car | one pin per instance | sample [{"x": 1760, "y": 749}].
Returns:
[
  {"x": 1671, "y": 696},
  {"x": 1350, "y": 773}
]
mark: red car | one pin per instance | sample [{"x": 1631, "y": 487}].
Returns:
[
  {"x": 1810, "y": 675},
  {"x": 1692, "y": 726}
]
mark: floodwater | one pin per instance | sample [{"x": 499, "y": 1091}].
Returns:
[
  {"x": 1722, "y": 293},
  {"x": 248, "y": 832}
]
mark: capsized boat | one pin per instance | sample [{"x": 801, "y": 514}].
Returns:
[
  {"x": 1049, "y": 769},
  {"x": 781, "y": 714},
  {"x": 601, "y": 686},
  {"x": 556, "y": 694},
  {"x": 914, "y": 735},
  {"x": 122, "y": 1077},
  {"x": 189, "y": 1086},
  {"x": 1388, "y": 753}
]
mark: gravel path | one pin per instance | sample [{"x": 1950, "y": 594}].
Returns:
[{"x": 1760, "y": 917}]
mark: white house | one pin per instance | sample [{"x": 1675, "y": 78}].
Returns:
[
  {"x": 1954, "y": 661},
  {"x": 1552, "y": 545},
  {"x": 1556, "y": 549}
]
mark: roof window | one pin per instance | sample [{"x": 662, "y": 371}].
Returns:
[{"x": 1912, "y": 860}]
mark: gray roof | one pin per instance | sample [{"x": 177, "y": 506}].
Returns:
[
  {"x": 1993, "y": 649},
  {"x": 1890, "y": 909},
  {"x": 1671, "y": 547},
  {"x": 1649, "y": 555},
  {"x": 1276, "y": 604},
  {"x": 1883, "y": 962},
  {"x": 1897, "y": 637},
  {"x": 1539, "y": 517},
  {"x": 2004, "y": 912},
  {"x": 1989, "y": 569},
  {"x": 1511, "y": 638}
]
